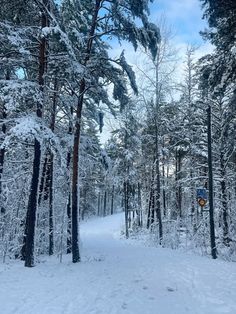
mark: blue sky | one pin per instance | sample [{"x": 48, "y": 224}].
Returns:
[
  {"x": 185, "y": 20},
  {"x": 185, "y": 17}
]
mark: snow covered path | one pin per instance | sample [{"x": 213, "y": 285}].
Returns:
[{"x": 116, "y": 277}]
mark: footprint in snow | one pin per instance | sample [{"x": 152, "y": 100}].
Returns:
[
  {"x": 170, "y": 289},
  {"x": 124, "y": 306},
  {"x": 137, "y": 280}
]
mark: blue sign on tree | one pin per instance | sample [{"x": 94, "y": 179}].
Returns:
[{"x": 202, "y": 193}]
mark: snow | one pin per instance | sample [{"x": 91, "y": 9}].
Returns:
[
  {"x": 116, "y": 276},
  {"x": 233, "y": 50}
]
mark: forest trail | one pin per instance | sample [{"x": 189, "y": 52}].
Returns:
[{"x": 118, "y": 277}]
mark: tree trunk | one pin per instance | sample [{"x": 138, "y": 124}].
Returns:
[
  {"x": 32, "y": 203},
  {"x": 51, "y": 171},
  {"x": 112, "y": 200},
  {"x": 2, "y": 150},
  {"x": 75, "y": 243},
  {"x": 140, "y": 221},
  {"x": 193, "y": 200},
  {"x": 75, "y": 162},
  {"x": 68, "y": 241},
  {"x": 32, "y": 207},
  {"x": 105, "y": 204},
  {"x": 68, "y": 206},
  {"x": 2, "y": 155},
  {"x": 126, "y": 203},
  {"x": 99, "y": 201},
  {"x": 224, "y": 202},
  {"x": 51, "y": 238},
  {"x": 158, "y": 186},
  {"x": 150, "y": 217},
  {"x": 164, "y": 190},
  {"x": 210, "y": 183},
  {"x": 178, "y": 185},
  {"x": 43, "y": 180}
]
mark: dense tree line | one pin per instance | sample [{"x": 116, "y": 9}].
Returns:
[
  {"x": 55, "y": 69},
  {"x": 171, "y": 160},
  {"x": 57, "y": 80}
]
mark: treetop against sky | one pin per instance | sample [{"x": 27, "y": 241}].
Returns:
[{"x": 184, "y": 18}]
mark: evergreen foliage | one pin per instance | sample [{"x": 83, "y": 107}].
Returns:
[{"x": 58, "y": 85}]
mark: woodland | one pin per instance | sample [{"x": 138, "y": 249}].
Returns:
[{"x": 170, "y": 139}]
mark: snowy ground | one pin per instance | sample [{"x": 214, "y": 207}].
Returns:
[{"x": 116, "y": 277}]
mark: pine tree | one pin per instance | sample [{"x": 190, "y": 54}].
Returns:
[
  {"x": 32, "y": 204},
  {"x": 119, "y": 23}
]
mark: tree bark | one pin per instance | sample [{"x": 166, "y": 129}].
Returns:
[
  {"x": 32, "y": 203},
  {"x": 74, "y": 207},
  {"x": 82, "y": 89},
  {"x": 158, "y": 186},
  {"x": 112, "y": 200},
  {"x": 32, "y": 208},
  {"x": 2, "y": 150},
  {"x": 164, "y": 190},
  {"x": 51, "y": 237},
  {"x": 99, "y": 200},
  {"x": 105, "y": 204},
  {"x": 224, "y": 201},
  {"x": 178, "y": 185},
  {"x": 51, "y": 172},
  {"x": 68, "y": 206},
  {"x": 210, "y": 183},
  {"x": 68, "y": 210},
  {"x": 193, "y": 200},
  {"x": 157, "y": 154},
  {"x": 150, "y": 217},
  {"x": 43, "y": 181},
  {"x": 2, "y": 155},
  {"x": 140, "y": 222},
  {"x": 126, "y": 203}
]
